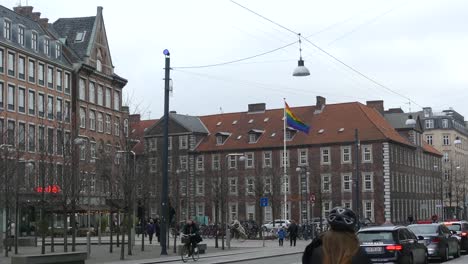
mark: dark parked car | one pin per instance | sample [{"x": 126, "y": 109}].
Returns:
[
  {"x": 392, "y": 244},
  {"x": 440, "y": 242},
  {"x": 461, "y": 227}
]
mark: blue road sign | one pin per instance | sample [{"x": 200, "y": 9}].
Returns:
[{"x": 264, "y": 202}]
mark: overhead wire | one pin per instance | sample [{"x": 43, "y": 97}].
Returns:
[{"x": 330, "y": 55}]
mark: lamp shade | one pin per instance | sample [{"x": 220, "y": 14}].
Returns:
[
  {"x": 301, "y": 70},
  {"x": 410, "y": 121}
]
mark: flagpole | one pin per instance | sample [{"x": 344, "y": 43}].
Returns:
[{"x": 284, "y": 158}]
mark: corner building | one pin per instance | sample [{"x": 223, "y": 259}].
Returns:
[{"x": 395, "y": 169}]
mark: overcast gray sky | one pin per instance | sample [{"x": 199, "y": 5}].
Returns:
[{"x": 417, "y": 48}]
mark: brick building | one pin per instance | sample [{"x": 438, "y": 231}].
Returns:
[
  {"x": 395, "y": 168},
  {"x": 57, "y": 84}
]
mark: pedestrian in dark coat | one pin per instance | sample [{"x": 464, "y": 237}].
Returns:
[
  {"x": 293, "y": 230},
  {"x": 157, "y": 229},
  {"x": 150, "y": 230}
]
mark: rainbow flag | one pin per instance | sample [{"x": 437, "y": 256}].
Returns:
[{"x": 293, "y": 121}]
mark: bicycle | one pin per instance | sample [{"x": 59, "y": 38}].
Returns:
[{"x": 187, "y": 250}]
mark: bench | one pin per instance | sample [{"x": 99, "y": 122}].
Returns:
[
  {"x": 201, "y": 248},
  {"x": 56, "y": 258}
]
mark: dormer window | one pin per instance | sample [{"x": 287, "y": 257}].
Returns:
[
  {"x": 34, "y": 41},
  {"x": 7, "y": 29},
  {"x": 21, "y": 35},
  {"x": 290, "y": 134},
  {"x": 254, "y": 135},
  {"x": 58, "y": 50},
  {"x": 46, "y": 47},
  {"x": 221, "y": 137},
  {"x": 80, "y": 36}
]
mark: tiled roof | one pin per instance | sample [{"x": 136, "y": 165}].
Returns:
[
  {"x": 137, "y": 132},
  {"x": 70, "y": 27},
  {"x": 191, "y": 123},
  {"x": 335, "y": 124},
  {"x": 430, "y": 149}
]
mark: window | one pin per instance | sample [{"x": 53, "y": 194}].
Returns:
[
  {"x": 232, "y": 211},
  {"x": 125, "y": 128},
  {"x": 108, "y": 124},
  {"x": 32, "y": 138},
  {"x": 290, "y": 134},
  {"x": 2, "y": 57},
  {"x": 250, "y": 210},
  {"x": 117, "y": 126},
  {"x": 232, "y": 162},
  {"x": 21, "y": 35},
  {"x": 108, "y": 97},
  {"x": 100, "y": 96},
  {"x": 92, "y": 120},
  {"x": 32, "y": 71},
  {"x": 116, "y": 100},
  {"x": 267, "y": 185},
  {"x": 98, "y": 65},
  {"x": 58, "y": 80},
  {"x": 183, "y": 162},
  {"x": 11, "y": 64},
  {"x": 92, "y": 93},
  {"x": 34, "y": 41},
  {"x": 58, "y": 109},
  {"x": 347, "y": 204},
  {"x": 21, "y": 100},
  {"x": 327, "y": 206},
  {"x": 50, "y": 77},
  {"x": 445, "y": 140},
  {"x": 346, "y": 154},
  {"x": 41, "y": 105},
  {"x": 11, "y": 133},
  {"x": 153, "y": 165},
  {"x": 445, "y": 123},
  {"x": 367, "y": 181},
  {"x": 200, "y": 187},
  {"x": 446, "y": 157},
  {"x": 219, "y": 140},
  {"x": 215, "y": 163},
  {"x": 82, "y": 151},
  {"x": 282, "y": 158},
  {"x": 21, "y": 67},
  {"x": 152, "y": 143},
  {"x": 285, "y": 184},
  {"x": 253, "y": 138},
  {"x": 41, "y": 74},
  {"x": 47, "y": 47},
  {"x": 347, "y": 181},
  {"x": 326, "y": 183},
  {"x": 32, "y": 103},
  {"x": 429, "y": 123},
  {"x": 200, "y": 163},
  {"x": 2, "y": 127},
  {"x": 303, "y": 159},
  {"x": 59, "y": 142},
  {"x": 22, "y": 136},
  {"x": 50, "y": 140},
  {"x": 82, "y": 89},
  {"x": 429, "y": 139},
  {"x": 41, "y": 138},
  {"x": 183, "y": 142},
  {"x": 82, "y": 117},
  {"x": 2, "y": 95},
  {"x": 368, "y": 209},
  {"x": 233, "y": 186},
  {"x": 11, "y": 97},
  {"x": 367, "y": 153},
  {"x": 50, "y": 107},
  {"x": 57, "y": 50},
  {"x": 250, "y": 186},
  {"x": 66, "y": 83},
  {"x": 7, "y": 29},
  {"x": 267, "y": 159},
  {"x": 325, "y": 156},
  {"x": 67, "y": 111},
  {"x": 249, "y": 160},
  {"x": 169, "y": 143}
]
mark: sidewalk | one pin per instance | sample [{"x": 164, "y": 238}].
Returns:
[{"x": 249, "y": 249}]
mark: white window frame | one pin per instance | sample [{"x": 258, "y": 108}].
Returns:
[
  {"x": 429, "y": 123},
  {"x": 347, "y": 178},
  {"x": 347, "y": 204},
  {"x": 366, "y": 149},
  {"x": 108, "y": 94},
  {"x": 267, "y": 159},
  {"x": 7, "y": 29},
  {"x": 285, "y": 183},
  {"x": 34, "y": 37},
  {"x": 215, "y": 162},
  {"x": 250, "y": 185},
  {"x": 267, "y": 185},
  {"x": 327, "y": 206},
  {"x": 445, "y": 123},
  {"x": 21, "y": 35},
  {"x": 326, "y": 183},
  {"x": 366, "y": 210},
  {"x": 82, "y": 117},
  {"x": 445, "y": 140},
  {"x": 233, "y": 214},
  {"x": 153, "y": 165},
  {"x": 233, "y": 185},
  {"x": 200, "y": 163},
  {"x": 21, "y": 68},
  {"x": 183, "y": 162},
  {"x": 200, "y": 186},
  {"x": 249, "y": 160},
  {"x": 367, "y": 177},
  {"x": 100, "y": 122},
  {"x": 92, "y": 120},
  {"x": 429, "y": 139},
  {"x": 116, "y": 100},
  {"x": 346, "y": 155},
  {"x": 282, "y": 159},
  {"x": 303, "y": 157},
  {"x": 325, "y": 156},
  {"x": 183, "y": 142}
]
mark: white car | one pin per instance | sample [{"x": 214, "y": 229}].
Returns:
[{"x": 277, "y": 223}]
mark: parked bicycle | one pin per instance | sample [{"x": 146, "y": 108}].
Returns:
[{"x": 187, "y": 250}]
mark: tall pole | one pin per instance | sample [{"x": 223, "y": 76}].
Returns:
[
  {"x": 284, "y": 159},
  {"x": 358, "y": 203},
  {"x": 165, "y": 185},
  {"x": 16, "y": 208}
]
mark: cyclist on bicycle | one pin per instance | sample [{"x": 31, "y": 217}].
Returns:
[{"x": 191, "y": 231}]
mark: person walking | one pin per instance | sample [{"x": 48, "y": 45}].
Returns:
[
  {"x": 157, "y": 229},
  {"x": 293, "y": 230},
  {"x": 150, "y": 230},
  {"x": 281, "y": 236},
  {"x": 338, "y": 245}
]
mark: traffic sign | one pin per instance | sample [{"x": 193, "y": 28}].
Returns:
[
  {"x": 312, "y": 197},
  {"x": 263, "y": 201}
]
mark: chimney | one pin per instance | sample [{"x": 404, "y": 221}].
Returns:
[
  {"x": 257, "y": 108},
  {"x": 395, "y": 111},
  {"x": 377, "y": 104},
  {"x": 172, "y": 112},
  {"x": 44, "y": 22},
  {"x": 35, "y": 16},
  {"x": 25, "y": 11},
  {"x": 135, "y": 118}
]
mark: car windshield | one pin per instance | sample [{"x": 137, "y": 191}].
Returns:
[
  {"x": 454, "y": 227},
  {"x": 376, "y": 237},
  {"x": 423, "y": 229}
]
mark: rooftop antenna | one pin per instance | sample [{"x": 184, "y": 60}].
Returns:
[{"x": 220, "y": 110}]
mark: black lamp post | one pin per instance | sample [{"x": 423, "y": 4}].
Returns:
[{"x": 165, "y": 185}]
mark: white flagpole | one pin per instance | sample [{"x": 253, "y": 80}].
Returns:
[{"x": 284, "y": 159}]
